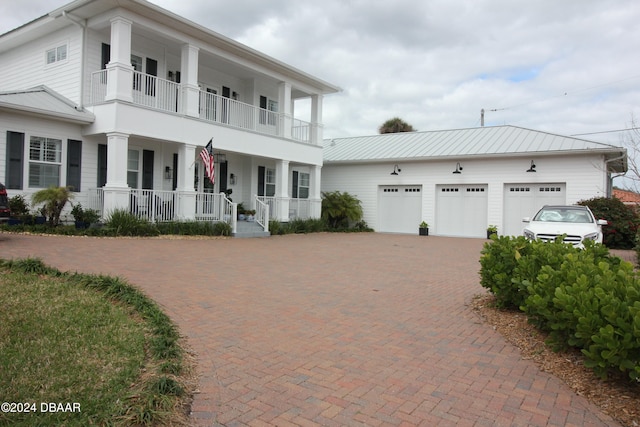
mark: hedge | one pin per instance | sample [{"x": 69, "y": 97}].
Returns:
[{"x": 586, "y": 299}]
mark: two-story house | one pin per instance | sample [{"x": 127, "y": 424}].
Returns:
[{"x": 116, "y": 99}]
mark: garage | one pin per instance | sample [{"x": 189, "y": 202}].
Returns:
[
  {"x": 399, "y": 208},
  {"x": 461, "y": 210},
  {"x": 524, "y": 200}
]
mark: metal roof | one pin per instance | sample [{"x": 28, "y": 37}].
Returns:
[
  {"x": 459, "y": 143},
  {"x": 43, "y": 101}
]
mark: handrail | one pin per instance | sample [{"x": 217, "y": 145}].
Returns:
[{"x": 262, "y": 213}]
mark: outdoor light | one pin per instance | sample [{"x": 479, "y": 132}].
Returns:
[
  {"x": 396, "y": 169},
  {"x": 167, "y": 172},
  {"x": 532, "y": 168},
  {"x": 458, "y": 168},
  {"x": 232, "y": 179}
]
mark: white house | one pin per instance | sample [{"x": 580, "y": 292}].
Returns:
[
  {"x": 116, "y": 98},
  {"x": 461, "y": 181}
]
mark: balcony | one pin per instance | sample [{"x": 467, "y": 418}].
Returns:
[{"x": 164, "y": 95}]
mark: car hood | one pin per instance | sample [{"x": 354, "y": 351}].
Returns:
[{"x": 557, "y": 228}]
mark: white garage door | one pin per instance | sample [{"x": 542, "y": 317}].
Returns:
[
  {"x": 399, "y": 208},
  {"x": 461, "y": 210},
  {"x": 521, "y": 200}
]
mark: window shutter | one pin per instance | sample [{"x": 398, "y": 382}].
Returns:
[
  {"x": 74, "y": 164},
  {"x": 175, "y": 171},
  {"x": 294, "y": 185},
  {"x": 15, "y": 160},
  {"x": 261, "y": 171},
  {"x": 102, "y": 165},
  {"x": 222, "y": 176},
  {"x": 106, "y": 55},
  {"x": 147, "y": 169}
]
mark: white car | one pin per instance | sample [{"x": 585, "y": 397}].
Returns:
[{"x": 576, "y": 222}]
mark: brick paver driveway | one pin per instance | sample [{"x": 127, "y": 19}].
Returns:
[{"x": 331, "y": 329}]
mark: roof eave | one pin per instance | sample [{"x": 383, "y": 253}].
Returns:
[{"x": 71, "y": 118}]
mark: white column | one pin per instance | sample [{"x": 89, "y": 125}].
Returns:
[
  {"x": 189, "y": 80},
  {"x": 119, "y": 68},
  {"x": 282, "y": 189},
  {"x": 314, "y": 191},
  {"x": 316, "y": 119},
  {"x": 186, "y": 193},
  {"x": 116, "y": 190},
  {"x": 286, "y": 108}
]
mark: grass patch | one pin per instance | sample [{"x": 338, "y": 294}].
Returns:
[{"x": 89, "y": 340}]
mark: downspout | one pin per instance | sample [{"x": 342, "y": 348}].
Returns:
[
  {"x": 610, "y": 180},
  {"x": 82, "y": 23}
]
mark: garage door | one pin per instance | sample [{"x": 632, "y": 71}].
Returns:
[
  {"x": 461, "y": 210},
  {"x": 399, "y": 208},
  {"x": 521, "y": 200}
]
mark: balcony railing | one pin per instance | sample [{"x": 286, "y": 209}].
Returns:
[{"x": 153, "y": 92}]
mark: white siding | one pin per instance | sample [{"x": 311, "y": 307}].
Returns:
[
  {"x": 25, "y": 67},
  {"x": 584, "y": 176}
]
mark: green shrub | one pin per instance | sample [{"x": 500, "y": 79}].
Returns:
[
  {"x": 498, "y": 261},
  {"x": 18, "y": 205},
  {"x": 340, "y": 209},
  {"x": 623, "y": 221},
  {"x": 585, "y": 299},
  {"x": 125, "y": 223}
]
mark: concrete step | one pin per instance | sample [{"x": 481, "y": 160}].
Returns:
[{"x": 248, "y": 229}]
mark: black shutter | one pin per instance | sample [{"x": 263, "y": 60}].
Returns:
[
  {"x": 74, "y": 164},
  {"x": 175, "y": 171},
  {"x": 15, "y": 160},
  {"x": 261, "y": 171},
  {"x": 102, "y": 165},
  {"x": 147, "y": 169},
  {"x": 106, "y": 55},
  {"x": 263, "y": 107},
  {"x": 222, "y": 176},
  {"x": 294, "y": 185}
]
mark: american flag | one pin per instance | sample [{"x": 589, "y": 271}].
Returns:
[{"x": 207, "y": 157}]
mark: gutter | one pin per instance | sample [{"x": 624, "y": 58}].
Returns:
[
  {"x": 82, "y": 23},
  {"x": 612, "y": 177}
]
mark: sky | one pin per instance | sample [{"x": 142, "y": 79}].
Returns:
[{"x": 569, "y": 67}]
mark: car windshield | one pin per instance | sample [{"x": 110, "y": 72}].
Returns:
[{"x": 563, "y": 215}]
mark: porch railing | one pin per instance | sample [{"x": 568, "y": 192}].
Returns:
[
  {"x": 216, "y": 207},
  {"x": 153, "y": 205},
  {"x": 153, "y": 92},
  {"x": 162, "y": 206},
  {"x": 298, "y": 208},
  {"x": 262, "y": 214}
]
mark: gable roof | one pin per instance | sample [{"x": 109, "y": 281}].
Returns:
[
  {"x": 460, "y": 143},
  {"x": 43, "y": 101}
]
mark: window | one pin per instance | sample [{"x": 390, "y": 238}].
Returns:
[
  {"x": 303, "y": 185},
  {"x": 270, "y": 182},
  {"x": 133, "y": 168},
  {"x": 57, "y": 54},
  {"x": 45, "y": 156}
]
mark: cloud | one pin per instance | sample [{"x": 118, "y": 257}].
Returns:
[{"x": 565, "y": 67}]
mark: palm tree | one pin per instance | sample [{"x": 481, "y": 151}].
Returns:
[
  {"x": 340, "y": 208},
  {"x": 395, "y": 125},
  {"x": 54, "y": 200}
]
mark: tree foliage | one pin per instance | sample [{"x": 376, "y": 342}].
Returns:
[
  {"x": 338, "y": 209},
  {"x": 54, "y": 200},
  {"x": 623, "y": 221},
  {"x": 395, "y": 125}
]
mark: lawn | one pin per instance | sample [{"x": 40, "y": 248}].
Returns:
[{"x": 80, "y": 350}]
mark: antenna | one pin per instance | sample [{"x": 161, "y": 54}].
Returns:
[{"x": 482, "y": 117}]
